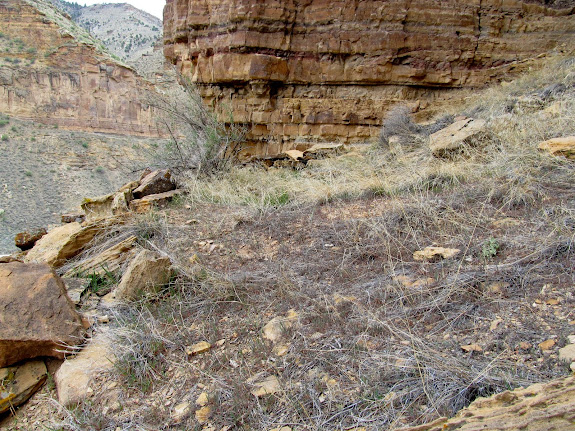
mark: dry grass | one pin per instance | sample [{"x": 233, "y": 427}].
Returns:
[{"x": 377, "y": 341}]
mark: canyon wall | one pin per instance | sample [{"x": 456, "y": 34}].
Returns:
[
  {"x": 52, "y": 71},
  {"x": 299, "y": 71}
]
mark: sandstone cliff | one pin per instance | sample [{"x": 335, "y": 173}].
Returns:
[
  {"x": 54, "y": 72},
  {"x": 317, "y": 69}
]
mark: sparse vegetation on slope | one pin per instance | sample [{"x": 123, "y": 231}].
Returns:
[{"x": 366, "y": 335}]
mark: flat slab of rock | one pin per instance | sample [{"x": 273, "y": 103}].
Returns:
[
  {"x": 457, "y": 136},
  {"x": 61, "y": 243},
  {"x": 155, "y": 182},
  {"x": 36, "y": 316},
  {"x": 560, "y": 147},
  {"x": 159, "y": 200},
  {"x": 540, "y": 407},
  {"x": 148, "y": 271},
  {"x": 75, "y": 375},
  {"x": 20, "y": 382},
  {"x": 107, "y": 261}
]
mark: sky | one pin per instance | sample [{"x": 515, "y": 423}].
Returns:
[{"x": 155, "y": 7}]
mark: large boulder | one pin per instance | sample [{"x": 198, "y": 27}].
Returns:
[
  {"x": 456, "y": 137},
  {"x": 155, "y": 182},
  {"x": 145, "y": 273},
  {"x": 540, "y": 407},
  {"x": 36, "y": 316},
  {"x": 20, "y": 382}
]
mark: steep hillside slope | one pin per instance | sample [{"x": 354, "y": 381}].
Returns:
[
  {"x": 302, "y": 71},
  {"x": 53, "y": 71},
  {"x": 127, "y": 32}
]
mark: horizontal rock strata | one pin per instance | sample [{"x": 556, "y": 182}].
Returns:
[
  {"x": 53, "y": 72},
  {"x": 330, "y": 70}
]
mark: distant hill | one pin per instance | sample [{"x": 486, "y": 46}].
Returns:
[{"x": 126, "y": 31}]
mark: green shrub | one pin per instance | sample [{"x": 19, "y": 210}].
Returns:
[
  {"x": 5, "y": 138},
  {"x": 490, "y": 248}
]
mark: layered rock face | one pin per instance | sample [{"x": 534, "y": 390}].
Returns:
[
  {"x": 305, "y": 70},
  {"x": 52, "y": 71}
]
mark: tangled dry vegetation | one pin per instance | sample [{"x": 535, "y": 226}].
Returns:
[{"x": 369, "y": 337}]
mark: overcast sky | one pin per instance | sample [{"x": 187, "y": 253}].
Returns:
[{"x": 155, "y": 7}]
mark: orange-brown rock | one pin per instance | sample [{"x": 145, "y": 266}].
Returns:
[
  {"x": 329, "y": 70},
  {"x": 54, "y": 72},
  {"x": 540, "y": 407},
  {"x": 36, "y": 316}
]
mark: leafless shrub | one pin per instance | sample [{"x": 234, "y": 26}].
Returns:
[{"x": 199, "y": 142}]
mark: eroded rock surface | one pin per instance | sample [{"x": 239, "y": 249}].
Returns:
[
  {"x": 330, "y": 70},
  {"x": 540, "y": 407}
]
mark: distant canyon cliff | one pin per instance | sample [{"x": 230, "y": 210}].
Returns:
[
  {"x": 52, "y": 71},
  {"x": 307, "y": 70}
]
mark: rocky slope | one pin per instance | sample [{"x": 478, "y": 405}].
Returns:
[
  {"x": 300, "y": 71},
  {"x": 127, "y": 32},
  {"x": 52, "y": 71}
]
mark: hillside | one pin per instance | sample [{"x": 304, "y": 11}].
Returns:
[
  {"x": 385, "y": 286},
  {"x": 127, "y": 32},
  {"x": 55, "y": 72}
]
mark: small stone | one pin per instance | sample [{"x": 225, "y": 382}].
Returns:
[
  {"x": 546, "y": 345},
  {"x": 281, "y": 429},
  {"x": 196, "y": 349},
  {"x": 567, "y": 353},
  {"x": 472, "y": 348},
  {"x": 572, "y": 366},
  {"x": 571, "y": 339},
  {"x": 524, "y": 345},
  {"x": 266, "y": 386},
  {"x": 281, "y": 349},
  {"x": 180, "y": 411},
  {"x": 552, "y": 301},
  {"x": 203, "y": 399},
  {"x": 433, "y": 253},
  {"x": 276, "y": 327},
  {"x": 26, "y": 240},
  {"x": 203, "y": 414},
  {"x": 73, "y": 217},
  {"x": 495, "y": 324},
  {"x": 564, "y": 146}
]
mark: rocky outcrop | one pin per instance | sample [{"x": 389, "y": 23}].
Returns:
[
  {"x": 52, "y": 71},
  {"x": 36, "y": 316},
  {"x": 330, "y": 70},
  {"x": 540, "y": 407}
]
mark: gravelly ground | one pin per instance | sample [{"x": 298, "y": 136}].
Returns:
[{"x": 45, "y": 171}]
